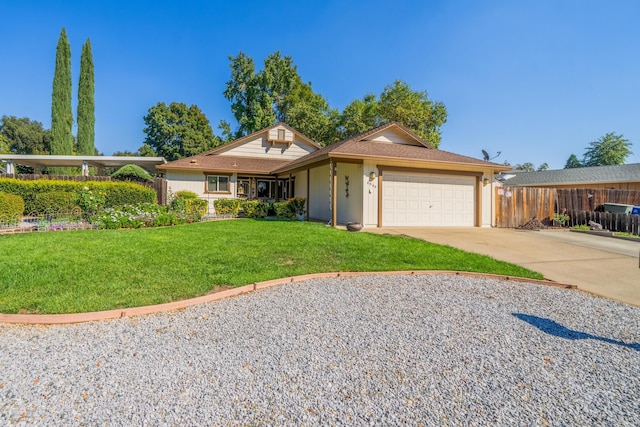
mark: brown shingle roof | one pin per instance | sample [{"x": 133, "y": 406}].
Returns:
[
  {"x": 401, "y": 151},
  {"x": 359, "y": 146},
  {"x": 215, "y": 163}
]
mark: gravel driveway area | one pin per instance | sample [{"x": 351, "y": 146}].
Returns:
[{"x": 370, "y": 350}]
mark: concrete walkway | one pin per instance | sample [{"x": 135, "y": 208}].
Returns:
[{"x": 603, "y": 266}]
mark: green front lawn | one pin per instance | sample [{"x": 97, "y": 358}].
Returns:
[{"x": 80, "y": 271}]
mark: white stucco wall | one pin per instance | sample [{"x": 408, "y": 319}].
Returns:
[
  {"x": 319, "y": 203},
  {"x": 301, "y": 184},
  {"x": 488, "y": 201},
  {"x": 349, "y": 207}
]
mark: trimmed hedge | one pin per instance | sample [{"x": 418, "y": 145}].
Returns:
[
  {"x": 283, "y": 210},
  {"x": 116, "y": 193},
  {"x": 55, "y": 201},
  {"x": 132, "y": 173},
  {"x": 11, "y": 208}
]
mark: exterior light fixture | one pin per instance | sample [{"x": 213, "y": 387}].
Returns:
[
  {"x": 372, "y": 176},
  {"x": 485, "y": 181}
]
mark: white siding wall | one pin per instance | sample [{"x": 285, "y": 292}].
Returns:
[
  {"x": 195, "y": 181},
  {"x": 319, "y": 203},
  {"x": 391, "y": 135},
  {"x": 261, "y": 148},
  {"x": 349, "y": 207}
]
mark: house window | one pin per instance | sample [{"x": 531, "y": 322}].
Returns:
[
  {"x": 217, "y": 184},
  {"x": 281, "y": 135}
]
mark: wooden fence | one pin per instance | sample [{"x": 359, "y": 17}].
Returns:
[
  {"x": 580, "y": 199},
  {"x": 159, "y": 185},
  {"x": 625, "y": 223},
  {"x": 515, "y": 206}
]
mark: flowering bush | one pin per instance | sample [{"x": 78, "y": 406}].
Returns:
[
  {"x": 91, "y": 202},
  {"x": 296, "y": 204},
  {"x": 227, "y": 207},
  {"x": 189, "y": 203},
  {"x": 142, "y": 215}
]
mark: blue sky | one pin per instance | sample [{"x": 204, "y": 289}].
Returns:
[{"x": 536, "y": 81}]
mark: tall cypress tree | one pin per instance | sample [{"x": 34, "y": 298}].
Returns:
[
  {"x": 86, "y": 103},
  {"x": 61, "y": 111}
]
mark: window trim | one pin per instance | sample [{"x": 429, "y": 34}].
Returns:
[{"x": 206, "y": 184}]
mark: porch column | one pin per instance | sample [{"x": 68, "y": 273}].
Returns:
[
  {"x": 308, "y": 198},
  {"x": 85, "y": 168},
  {"x": 334, "y": 195},
  {"x": 10, "y": 168},
  {"x": 380, "y": 173},
  {"x": 479, "y": 189}
]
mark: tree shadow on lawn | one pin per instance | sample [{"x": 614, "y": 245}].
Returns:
[{"x": 554, "y": 328}]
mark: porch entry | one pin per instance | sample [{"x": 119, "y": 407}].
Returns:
[{"x": 265, "y": 188}]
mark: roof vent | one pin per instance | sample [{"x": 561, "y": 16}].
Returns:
[{"x": 281, "y": 136}]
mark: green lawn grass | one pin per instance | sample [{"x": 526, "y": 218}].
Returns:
[{"x": 81, "y": 271}]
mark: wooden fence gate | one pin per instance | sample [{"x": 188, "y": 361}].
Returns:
[{"x": 517, "y": 205}]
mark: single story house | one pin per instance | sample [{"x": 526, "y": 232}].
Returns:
[
  {"x": 616, "y": 177},
  {"x": 387, "y": 176}
]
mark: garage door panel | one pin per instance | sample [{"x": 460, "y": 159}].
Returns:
[{"x": 427, "y": 200}]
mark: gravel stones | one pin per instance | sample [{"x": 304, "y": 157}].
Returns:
[{"x": 371, "y": 350}]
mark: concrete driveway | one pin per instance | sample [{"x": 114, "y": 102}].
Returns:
[{"x": 603, "y": 266}]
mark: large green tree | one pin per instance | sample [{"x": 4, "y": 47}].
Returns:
[
  {"x": 24, "y": 136},
  {"x": 610, "y": 149},
  {"x": 397, "y": 102},
  {"x": 86, "y": 103},
  {"x": 359, "y": 116},
  {"x": 250, "y": 105},
  {"x": 573, "y": 162},
  {"x": 61, "y": 111},
  {"x": 175, "y": 131},
  {"x": 276, "y": 94}
]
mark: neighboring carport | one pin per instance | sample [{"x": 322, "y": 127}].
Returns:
[{"x": 38, "y": 162}]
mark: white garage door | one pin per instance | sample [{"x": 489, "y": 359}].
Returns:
[{"x": 427, "y": 200}]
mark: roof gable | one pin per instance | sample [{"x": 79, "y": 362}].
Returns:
[
  {"x": 393, "y": 133},
  {"x": 269, "y": 135},
  {"x": 259, "y": 152}
]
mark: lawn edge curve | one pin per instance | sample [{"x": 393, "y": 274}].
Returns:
[{"x": 59, "y": 319}]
